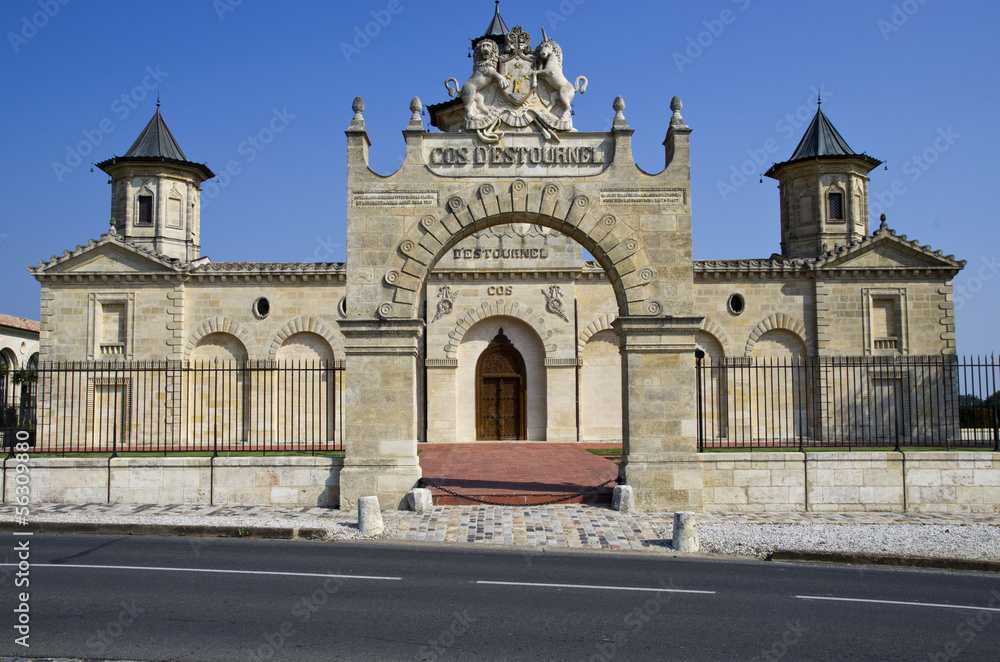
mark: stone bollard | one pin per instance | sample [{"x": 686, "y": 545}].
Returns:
[
  {"x": 370, "y": 516},
  {"x": 623, "y": 499},
  {"x": 420, "y": 500},
  {"x": 686, "y": 532}
]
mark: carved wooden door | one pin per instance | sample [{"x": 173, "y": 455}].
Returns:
[{"x": 500, "y": 391}]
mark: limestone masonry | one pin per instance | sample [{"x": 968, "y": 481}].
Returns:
[{"x": 467, "y": 310}]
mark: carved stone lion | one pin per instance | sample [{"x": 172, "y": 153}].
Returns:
[{"x": 485, "y": 61}]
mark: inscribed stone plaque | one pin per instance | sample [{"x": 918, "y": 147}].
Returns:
[
  {"x": 394, "y": 198},
  {"x": 643, "y": 196}
]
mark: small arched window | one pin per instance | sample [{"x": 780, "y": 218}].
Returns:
[
  {"x": 145, "y": 211},
  {"x": 835, "y": 204}
]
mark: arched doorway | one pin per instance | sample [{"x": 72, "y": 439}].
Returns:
[{"x": 501, "y": 383}]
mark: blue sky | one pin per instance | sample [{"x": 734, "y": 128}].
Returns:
[{"x": 910, "y": 82}]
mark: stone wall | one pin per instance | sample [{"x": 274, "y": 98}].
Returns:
[
  {"x": 793, "y": 299},
  {"x": 945, "y": 482},
  {"x": 925, "y": 482},
  {"x": 284, "y": 481}
]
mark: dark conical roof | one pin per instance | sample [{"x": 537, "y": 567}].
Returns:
[
  {"x": 157, "y": 143},
  {"x": 497, "y": 27},
  {"x": 821, "y": 139},
  {"x": 156, "y": 140}
]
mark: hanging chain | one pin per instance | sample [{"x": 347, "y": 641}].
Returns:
[{"x": 485, "y": 502}]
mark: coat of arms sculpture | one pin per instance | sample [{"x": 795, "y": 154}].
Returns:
[{"x": 516, "y": 89}]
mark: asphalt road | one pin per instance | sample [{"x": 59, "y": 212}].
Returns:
[{"x": 145, "y": 598}]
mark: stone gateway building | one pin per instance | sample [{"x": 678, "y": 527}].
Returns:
[{"x": 467, "y": 309}]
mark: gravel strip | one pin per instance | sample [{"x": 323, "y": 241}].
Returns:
[{"x": 956, "y": 541}]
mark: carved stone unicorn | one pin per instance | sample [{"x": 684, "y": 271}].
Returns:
[{"x": 549, "y": 55}]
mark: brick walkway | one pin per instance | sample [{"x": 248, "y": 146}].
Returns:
[{"x": 517, "y": 474}]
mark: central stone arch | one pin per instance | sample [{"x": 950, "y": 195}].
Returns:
[{"x": 615, "y": 245}]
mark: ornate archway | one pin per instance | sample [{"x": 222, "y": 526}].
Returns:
[
  {"x": 637, "y": 227},
  {"x": 501, "y": 385}
]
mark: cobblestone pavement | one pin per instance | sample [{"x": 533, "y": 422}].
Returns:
[{"x": 575, "y": 526}]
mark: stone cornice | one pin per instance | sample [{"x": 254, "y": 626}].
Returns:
[
  {"x": 271, "y": 267},
  {"x": 728, "y": 269},
  {"x": 566, "y": 273},
  {"x": 706, "y": 269},
  {"x": 381, "y": 337},
  {"x": 183, "y": 277},
  {"x": 174, "y": 270},
  {"x": 13, "y": 332},
  {"x": 657, "y": 334}
]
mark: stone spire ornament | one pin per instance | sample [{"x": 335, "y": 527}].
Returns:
[
  {"x": 619, "y": 106},
  {"x": 358, "y": 123},
  {"x": 416, "y": 107},
  {"x": 676, "y": 121}
]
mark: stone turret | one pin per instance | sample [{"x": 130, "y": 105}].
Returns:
[
  {"x": 155, "y": 193},
  {"x": 824, "y": 192}
]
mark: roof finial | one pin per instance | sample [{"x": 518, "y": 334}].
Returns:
[
  {"x": 819, "y": 99},
  {"x": 157, "y": 99}
]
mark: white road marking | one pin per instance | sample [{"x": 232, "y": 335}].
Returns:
[
  {"x": 897, "y": 602},
  {"x": 598, "y": 588},
  {"x": 208, "y": 570}
]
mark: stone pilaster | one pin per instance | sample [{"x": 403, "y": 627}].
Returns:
[
  {"x": 380, "y": 415},
  {"x": 560, "y": 381},
  {"x": 660, "y": 460}
]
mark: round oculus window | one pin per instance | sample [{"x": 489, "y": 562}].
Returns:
[
  {"x": 261, "y": 308},
  {"x": 737, "y": 304}
]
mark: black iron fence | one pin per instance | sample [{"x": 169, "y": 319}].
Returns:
[
  {"x": 168, "y": 407},
  {"x": 849, "y": 402}
]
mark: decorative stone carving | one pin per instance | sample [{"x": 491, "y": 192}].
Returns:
[
  {"x": 415, "y": 108},
  {"x": 516, "y": 89},
  {"x": 676, "y": 121},
  {"x": 549, "y": 55},
  {"x": 485, "y": 69},
  {"x": 619, "y": 107},
  {"x": 553, "y": 302},
  {"x": 446, "y": 302},
  {"x": 358, "y": 123},
  {"x": 513, "y": 230}
]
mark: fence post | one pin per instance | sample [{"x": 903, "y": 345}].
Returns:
[{"x": 699, "y": 355}]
